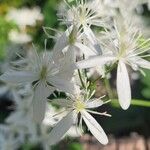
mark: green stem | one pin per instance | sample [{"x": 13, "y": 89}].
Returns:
[
  {"x": 108, "y": 87},
  {"x": 85, "y": 71},
  {"x": 140, "y": 103},
  {"x": 107, "y": 71},
  {"x": 80, "y": 76},
  {"x": 135, "y": 102}
]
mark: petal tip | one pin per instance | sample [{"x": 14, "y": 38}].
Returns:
[
  {"x": 105, "y": 142},
  {"x": 125, "y": 106}
]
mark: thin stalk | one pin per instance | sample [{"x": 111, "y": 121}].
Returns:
[
  {"x": 107, "y": 71},
  {"x": 108, "y": 87},
  {"x": 135, "y": 102},
  {"x": 80, "y": 76}
]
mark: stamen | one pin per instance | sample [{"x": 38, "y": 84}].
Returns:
[{"x": 98, "y": 113}]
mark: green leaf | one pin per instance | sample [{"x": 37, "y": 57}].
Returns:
[{"x": 75, "y": 146}]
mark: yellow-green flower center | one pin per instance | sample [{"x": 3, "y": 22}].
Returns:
[
  {"x": 79, "y": 106},
  {"x": 73, "y": 35},
  {"x": 43, "y": 73}
]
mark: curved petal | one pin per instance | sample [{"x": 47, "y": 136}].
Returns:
[
  {"x": 143, "y": 63},
  {"x": 94, "y": 61},
  {"x": 39, "y": 101},
  {"x": 63, "y": 84},
  {"x": 95, "y": 128},
  {"x": 94, "y": 103},
  {"x": 62, "y": 102},
  {"x": 19, "y": 77},
  {"x": 85, "y": 50},
  {"x": 123, "y": 86},
  {"x": 61, "y": 128},
  {"x": 92, "y": 38},
  {"x": 61, "y": 43}
]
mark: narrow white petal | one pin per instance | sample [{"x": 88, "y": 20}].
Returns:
[
  {"x": 90, "y": 35},
  {"x": 39, "y": 101},
  {"x": 61, "y": 128},
  {"x": 85, "y": 50},
  {"x": 143, "y": 63},
  {"x": 123, "y": 86},
  {"x": 61, "y": 43},
  {"x": 18, "y": 77},
  {"x": 62, "y": 84},
  {"x": 94, "y": 128},
  {"x": 94, "y": 103},
  {"x": 62, "y": 102},
  {"x": 66, "y": 71},
  {"x": 94, "y": 61}
]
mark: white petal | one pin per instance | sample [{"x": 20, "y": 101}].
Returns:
[
  {"x": 94, "y": 128},
  {"x": 61, "y": 128},
  {"x": 18, "y": 77},
  {"x": 123, "y": 86},
  {"x": 62, "y": 84},
  {"x": 62, "y": 102},
  {"x": 92, "y": 38},
  {"x": 143, "y": 63},
  {"x": 39, "y": 101},
  {"x": 94, "y": 61},
  {"x": 61, "y": 43},
  {"x": 90, "y": 35},
  {"x": 94, "y": 103},
  {"x": 85, "y": 50},
  {"x": 66, "y": 70}
]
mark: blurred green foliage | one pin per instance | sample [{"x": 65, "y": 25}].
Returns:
[
  {"x": 146, "y": 81},
  {"x": 5, "y": 27},
  {"x": 75, "y": 146}
]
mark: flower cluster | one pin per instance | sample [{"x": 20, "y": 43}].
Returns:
[{"x": 100, "y": 35}]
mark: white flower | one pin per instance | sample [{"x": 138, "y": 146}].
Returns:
[
  {"x": 46, "y": 76},
  {"x": 25, "y": 16},
  {"x": 86, "y": 13},
  {"x": 19, "y": 37},
  {"x": 69, "y": 46},
  {"x": 76, "y": 105},
  {"x": 127, "y": 48},
  {"x": 122, "y": 4},
  {"x": 20, "y": 121}
]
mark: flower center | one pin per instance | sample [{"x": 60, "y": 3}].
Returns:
[
  {"x": 73, "y": 35},
  {"x": 83, "y": 15},
  {"x": 43, "y": 73},
  {"x": 79, "y": 106}
]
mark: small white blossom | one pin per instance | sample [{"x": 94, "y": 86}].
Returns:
[
  {"x": 19, "y": 37},
  {"x": 25, "y": 16},
  {"x": 46, "y": 76},
  {"x": 127, "y": 49},
  {"x": 75, "y": 105}
]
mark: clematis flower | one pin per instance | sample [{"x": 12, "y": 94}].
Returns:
[
  {"x": 86, "y": 14},
  {"x": 75, "y": 106},
  {"x": 70, "y": 46},
  {"x": 46, "y": 77},
  {"x": 127, "y": 48}
]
